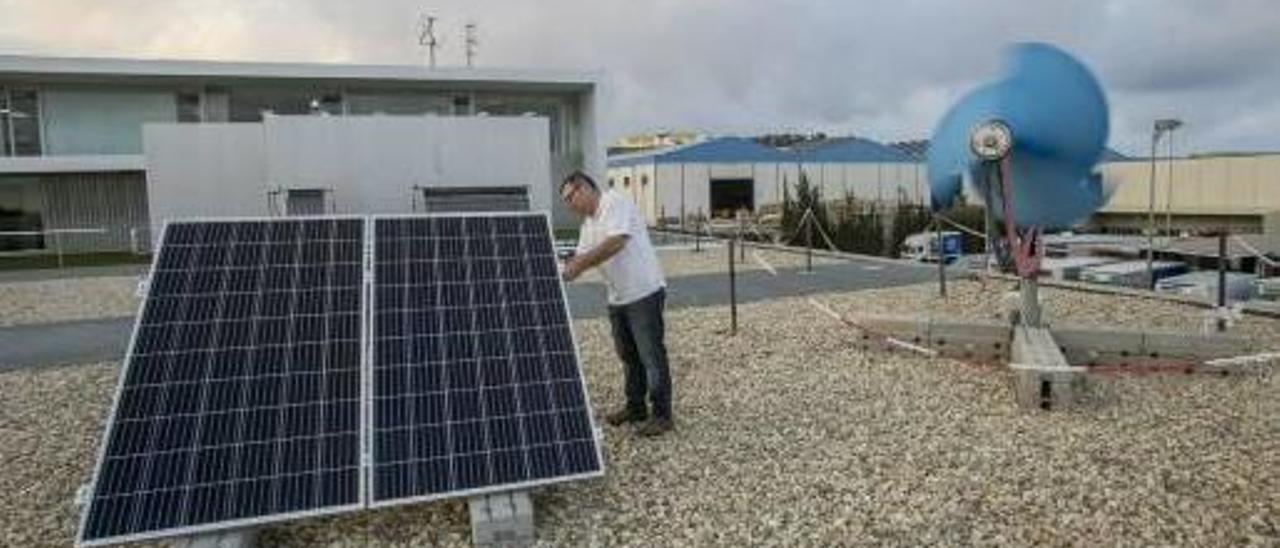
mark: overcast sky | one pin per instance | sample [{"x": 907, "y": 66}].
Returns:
[{"x": 886, "y": 70}]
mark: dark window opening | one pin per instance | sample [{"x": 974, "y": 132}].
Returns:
[
  {"x": 306, "y": 201},
  {"x": 188, "y": 106},
  {"x": 730, "y": 195},
  {"x": 473, "y": 199}
]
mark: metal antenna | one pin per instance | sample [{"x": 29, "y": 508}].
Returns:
[
  {"x": 427, "y": 37},
  {"x": 472, "y": 42}
]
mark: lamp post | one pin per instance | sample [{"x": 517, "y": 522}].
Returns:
[{"x": 1162, "y": 126}]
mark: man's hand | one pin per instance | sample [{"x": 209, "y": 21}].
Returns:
[
  {"x": 572, "y": 269},
  {"x": 581, "y": 263}
]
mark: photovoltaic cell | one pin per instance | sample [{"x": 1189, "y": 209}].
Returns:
[
  {"x": 240, "y": 401},
  {"x": 476, "y": 382}
]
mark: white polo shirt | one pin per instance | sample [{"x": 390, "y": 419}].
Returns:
[{"x": 634, "y": 273}]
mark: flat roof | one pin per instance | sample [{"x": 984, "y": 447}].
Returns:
[{"x": 120, "y": 70}]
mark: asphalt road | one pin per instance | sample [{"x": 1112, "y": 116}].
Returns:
[{"x": 107, "y": 339}]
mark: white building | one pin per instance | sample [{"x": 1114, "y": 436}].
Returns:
[
  {"x": 717, "y": 176},
  {"x": 72, "y": 151}
]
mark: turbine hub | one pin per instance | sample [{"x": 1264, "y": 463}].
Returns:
[{"x": 991, "y": 140}]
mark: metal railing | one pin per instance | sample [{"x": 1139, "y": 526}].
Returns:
[{"x": 55, "y": 235}]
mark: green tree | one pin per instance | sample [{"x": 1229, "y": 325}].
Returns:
[
  {"x": 808, "y": 197},
  {"x": 860, "y": 228}
]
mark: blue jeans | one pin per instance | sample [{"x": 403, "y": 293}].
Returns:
[{"x": 638, "y": 337}]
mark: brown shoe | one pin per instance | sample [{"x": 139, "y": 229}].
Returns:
[
  {"x": 655, "y": 427},
  {"x": 624, "y": 416}
]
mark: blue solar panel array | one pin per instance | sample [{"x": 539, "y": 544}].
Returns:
[
  {"x": 477, "y": 385},
  {"x": 241, "y": 392}
]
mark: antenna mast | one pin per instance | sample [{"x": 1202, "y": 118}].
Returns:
[
  {"x": 427, "y": 37},
  {"x": 472, "y": 42}
]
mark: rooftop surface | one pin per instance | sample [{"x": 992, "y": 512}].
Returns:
[{"x": 789, "y": 434}]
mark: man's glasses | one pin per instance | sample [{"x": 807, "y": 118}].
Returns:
[{"x": 568, "y": 197}]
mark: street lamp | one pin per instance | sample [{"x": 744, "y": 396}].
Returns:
[{"x": 1162, "y": 126}]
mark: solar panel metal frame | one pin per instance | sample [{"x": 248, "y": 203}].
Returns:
[
  {"x": 361, "y": 486},
  {"x": 506, "y": 487}
]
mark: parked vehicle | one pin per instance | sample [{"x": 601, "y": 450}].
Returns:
[
  {"x": 924, "y": 246},
  {"x": 1131, "y": 273},
  {"x": 1268, "y": 289},
  {"x": 1203, "y": 285},
  {"x": 1069, "y": 268}
]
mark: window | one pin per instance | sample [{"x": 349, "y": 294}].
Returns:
[
  {"x": 626, "y": 182},
  {"x": 462, "y": 105},
  {"x": 396, "y": 102},
  {"x": 20, "y": 205},
  {"x": 644, "y": 180},
  {"x": 610, "y": 182},
  {"x": 4, "y": 122},
  {"x": 249, "y": 104},
  {"x": 305, "y": 201},
  {"x": 327, "y": 103},
  {"x": 188, "y": 106},
  {"x": 500, "y": 198},
  {"x": 20, "y": 118}
]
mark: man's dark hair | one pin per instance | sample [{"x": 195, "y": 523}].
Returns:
[{"x": 579, "y": 175}]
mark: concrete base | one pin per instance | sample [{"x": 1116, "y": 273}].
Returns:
[
  {"x": 985, "y": 341},
  {"x": 1043, "y": 378},
  {"x": 504, "y": 519},
  {"x": 239, "y": 538},
  {"x": 1121, "y": 346}
]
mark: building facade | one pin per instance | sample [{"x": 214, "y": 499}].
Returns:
[
  {"x": 71, "y": 129},
  {"x": 716, "y": 177},
  {"x": 1238, "y": 192}
]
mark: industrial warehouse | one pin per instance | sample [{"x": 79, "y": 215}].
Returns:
[{"x": 348, "y": 295}]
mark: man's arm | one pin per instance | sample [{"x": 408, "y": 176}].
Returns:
[{"x": 601, "y": 253}]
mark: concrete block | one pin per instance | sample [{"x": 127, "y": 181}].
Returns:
[
  {"x": 502, "y": 520},
  {"x": 1092, "y": 345},
  {"x": 1172, "y": 344},
  {"x": 971, "y": 339},
  {"x": 1042, "y": 377}
]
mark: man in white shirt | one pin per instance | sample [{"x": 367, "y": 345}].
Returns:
[{"x": 615, "y": 238}]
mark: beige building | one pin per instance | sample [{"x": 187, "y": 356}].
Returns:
[{"x": 1239, "y": 192}]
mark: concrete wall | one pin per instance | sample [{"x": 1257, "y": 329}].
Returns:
[
  {"x": 370, "y": 163},
  {"x": 205, "y": 170}
]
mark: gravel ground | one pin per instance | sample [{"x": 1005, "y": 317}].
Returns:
[
  {"x": 67, "y": 299},
  {"x": 789, "y": 435},
  {"x": 50, "y": 422}
]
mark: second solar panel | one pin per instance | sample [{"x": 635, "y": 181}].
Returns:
[{"x": 477, "y": 386}]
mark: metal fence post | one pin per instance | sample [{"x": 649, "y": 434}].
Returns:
[{"x": 733, "y": 293}]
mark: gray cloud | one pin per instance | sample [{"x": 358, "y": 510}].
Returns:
[{"x": 882, "y": 69}]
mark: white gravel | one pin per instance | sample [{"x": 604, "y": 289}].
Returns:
[
  {"x": 789, "y": 435},
  {"x": 49, "y": 301}
]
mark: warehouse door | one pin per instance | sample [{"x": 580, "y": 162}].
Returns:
[
  {"x": 501, "y": 198},
  {"x": 730, "y": 195}
]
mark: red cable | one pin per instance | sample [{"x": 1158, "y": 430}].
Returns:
[{"x": 1024, "y": 259}]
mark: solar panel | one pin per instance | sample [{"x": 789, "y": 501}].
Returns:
[
  {"x": 240, "y": 400},
  {"x": 476, "y": 382}
]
